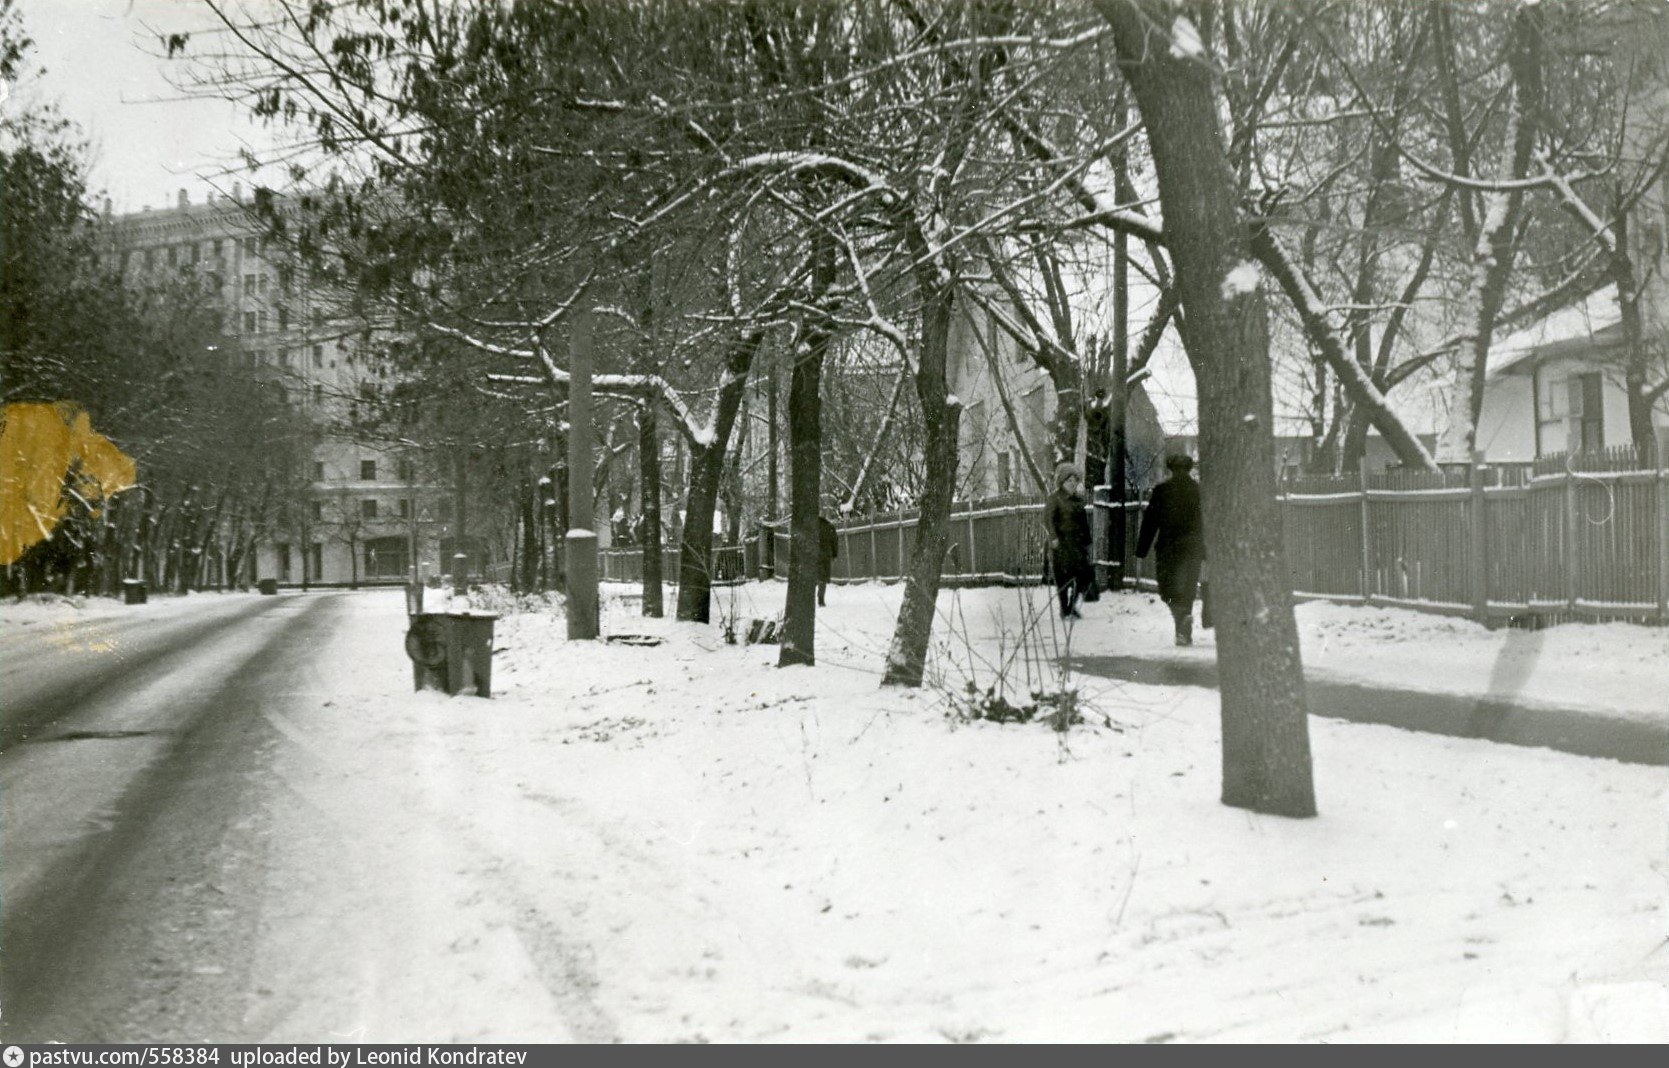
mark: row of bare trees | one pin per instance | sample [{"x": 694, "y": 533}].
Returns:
[
  {"x": 719, "y": 189},
  {"x": 215, "y": 450}
]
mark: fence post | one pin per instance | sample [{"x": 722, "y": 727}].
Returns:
[
  {"x": 1661, "y": 500},
  {"x": 1569, "y": 546},
  {"x": 1478, "y": 537},
  {"x": 973, "y": 560},
  {"x": 1367, "y": 556},
  {"x": 901, "y": 542}
]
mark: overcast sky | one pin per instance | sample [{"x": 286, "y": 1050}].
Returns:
[{"x": 103, "y": 71}]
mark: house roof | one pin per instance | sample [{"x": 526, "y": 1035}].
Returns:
[{"x": 1592, "y": 324}]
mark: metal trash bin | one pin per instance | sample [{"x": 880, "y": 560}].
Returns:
[
  {"x": 452, "y": 651},
  {"x": 134, "y": 591},
  {"x": 268, "y": 587}
]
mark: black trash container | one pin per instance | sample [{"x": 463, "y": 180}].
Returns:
[
  {"x": 134, "y": 591},
  {"x": 268, "y": 587},
  {"x": 452, "y": 651}
]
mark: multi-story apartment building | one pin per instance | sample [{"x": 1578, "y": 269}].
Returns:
[{"x": 363, "y": 514}]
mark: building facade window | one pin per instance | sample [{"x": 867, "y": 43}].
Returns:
[
  {"x": 318, "y": 355},
  {"x": 368, "y": 470},
  {"x": 368, "y": 509},
  {"x": 317, "y": 508},
  {"x": 283, "y": 317},
  {"x": 282, "y": 551},
  {"x": 318, "y": 471},
  {"x": 318, "y": 394},
  {"x": 261, "y": 321},
  {"x": 405, "y": 507},
  {"x": 406, "y": 470},
  {"x": 1587, "y": 412},
  {"x": 318, "y": 553},
  {"x": 249, "y": 322}
]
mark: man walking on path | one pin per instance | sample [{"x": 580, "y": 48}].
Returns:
[
  {"x": 1069, "y": 539},
  {"x": 1173, "y": 517},
  {"x": 828, "y": 547}
]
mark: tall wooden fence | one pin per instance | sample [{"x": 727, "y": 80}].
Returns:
[{"x": 1584, "y": 536}]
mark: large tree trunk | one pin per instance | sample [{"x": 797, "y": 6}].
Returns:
[
  {"x": 907, "y": 655},
  {"x": 805, "y": 489},
  {"x": 695, "y": 545},
  {"x": 1266, "y": 744},
  {"x": 649, "y": 475}
]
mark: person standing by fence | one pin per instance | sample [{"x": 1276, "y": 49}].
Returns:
[
  {"x": 828, "y": 547},
  {"x": 1069, "y": 539},
  {"x": 1173, "y": 518}
]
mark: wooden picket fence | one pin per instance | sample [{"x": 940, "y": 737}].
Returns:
[{"x": 1576, "y": 537}]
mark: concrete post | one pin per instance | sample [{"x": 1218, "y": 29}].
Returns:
[
  {"x": 1367, "y": 552},
  {"x": 1570, "y": 536},
  {"x": 1662, "y": 503},
  {"x": 582, "y": 534},
  {"x": 1478, "y": 538}
]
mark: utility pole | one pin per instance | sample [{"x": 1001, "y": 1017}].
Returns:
[
  {"x": 582, "y": 537},
  {"x": 770, "y": 548}
]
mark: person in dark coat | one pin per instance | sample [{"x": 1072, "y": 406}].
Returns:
[
  {"x": 1173, "y": 519},
  {"x": 828, "y": 547},
  {"x": 1069, "y": 539}
]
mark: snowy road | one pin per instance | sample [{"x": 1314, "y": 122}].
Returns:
[
  {"x": 130, "y": 758},
  {"x": 173, "y": 868}
]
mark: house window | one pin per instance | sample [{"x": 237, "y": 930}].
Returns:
[
  {"x": 249, "y": 322},
  {"x": 261, "y": 285},
  {"x": 283, "y": 356},
  {"x": 406, "y": 470},
  {"x": 249, "y": 284},
  {"x": 318, "y": 470},
  {"x": 405, "y": 507},
  {"x": 368, "y": 470},
  {"x": 282, "y": 551},
  {"x": 1005, "y": 475},
  {"x": 318, "y": 560},
  {"x": 318, "y": 355},
  {"x": 368, "y": 509},
  {"x": 173, "y": 255},
  {"x": 261, "y": 321},
  {"x": 283, "y": 317},
  {"x": 317, "y": 508},
  {"x": 1587, "y": 412},
  {"x": 318, "y": 394}
]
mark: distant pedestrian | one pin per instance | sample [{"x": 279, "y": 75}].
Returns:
[
  {"x": 1069, "y": 539},
  {"x": 1173, "y": 519},
  {"x": 828, "y": 547}
]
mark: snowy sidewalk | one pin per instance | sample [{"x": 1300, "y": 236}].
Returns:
[
  {"x": 1504, "y": 718},
  {"x": 730, "y": 851}
]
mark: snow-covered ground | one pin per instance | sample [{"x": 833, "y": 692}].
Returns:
[{"x": 684, "y": 842}]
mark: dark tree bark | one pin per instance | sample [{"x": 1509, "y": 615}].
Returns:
[
  {"x": 907, "y": 655},
  {"x": 649, "y": 475},
  {"x": 695, "y": 545},
  {"x": 1266, "y": 745},
  {"x": 805, "y": 474}
]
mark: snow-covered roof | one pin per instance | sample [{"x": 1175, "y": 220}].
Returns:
[{"x": 1593, "y": 322}]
